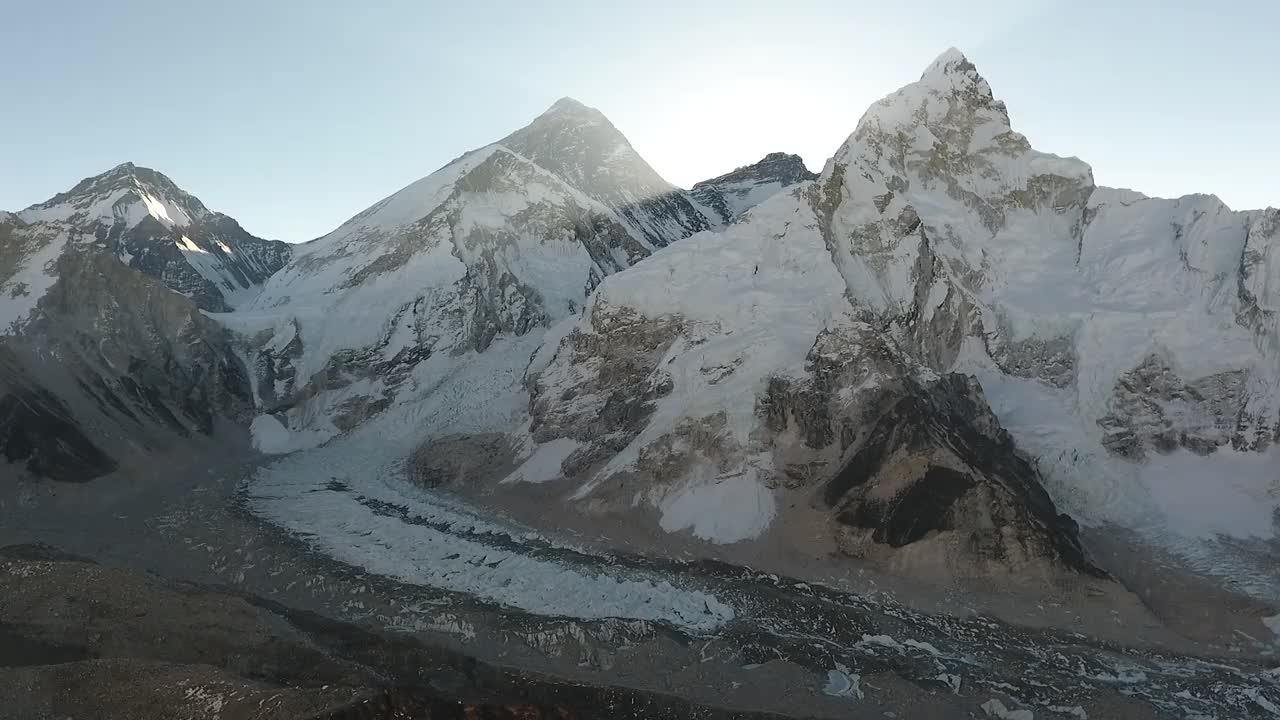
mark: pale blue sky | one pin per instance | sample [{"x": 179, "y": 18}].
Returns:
[{"x": 292, "y": 116}]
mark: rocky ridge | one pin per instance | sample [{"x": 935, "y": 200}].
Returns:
[{"x": 728, "y": 196}]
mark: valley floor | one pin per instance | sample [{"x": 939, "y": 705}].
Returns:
[{"x": 727, "y": 640}]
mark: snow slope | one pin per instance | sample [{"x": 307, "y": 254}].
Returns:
[{"x": 750, "y": 302}]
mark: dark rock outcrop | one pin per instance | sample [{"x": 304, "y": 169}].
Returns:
[
  {"x": 1152, "y": 408},
  {"x": 37, "y": 431},
  {"x": 735, "y": 192},
  {"x": 938, "y": 482}
]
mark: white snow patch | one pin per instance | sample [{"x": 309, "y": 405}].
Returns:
[
  {"x": 270, "y": 436},
  {"x": 1273, "y": 624},
  {"x": 164, "y": 210},
  {"x": 544, "y": 464},
  {"x": 926, "y": 647},
  {"x": 550, "y": 345},
  {"x": 722, "y": 509},
  {"x": 21, "y": 291},
  {"x": 881, "y": 640},
  {"x": 1227, "y": 493},
  {"x": 212, "y": 268},
  {"x": 208, "y": 701},
  {"x": 996, "y": 709},
  {"x": 184, "y": 243},
  {"x": 842, "y": 683}
]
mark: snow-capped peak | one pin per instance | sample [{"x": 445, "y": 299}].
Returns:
[
  {"x": 579, "y": 145},
  {"x": 151, "y": 225},
  {"x": 950, "y": 61},
  {"x": 567, "y": 106},
  {"x": 953, "y": 72},
  {"x": 951, "y": 83},
  {"x": 124, "y": 194},
  {"x": 951, "y": 128}
]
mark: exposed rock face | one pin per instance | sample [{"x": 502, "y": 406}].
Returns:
[
  {"x": 938, "y": 487},
  {"x": 1155, "y": 410},
  {"x": 37, "y": 430},
  {"x": 81, "y": 640},
  {"x": 155, "y": 227},
  {"x": 609, "y": 408},
  {"x": 461, "y": 460},
  {"x": 135, "y": 366},
  {"x": 730, "y": 195},
  {"x": 915, "y": 469}
]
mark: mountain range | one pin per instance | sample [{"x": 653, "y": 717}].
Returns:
[{"x": 920, "y": 357}]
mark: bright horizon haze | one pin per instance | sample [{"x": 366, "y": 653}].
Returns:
[{"x": 291, "y": 117}]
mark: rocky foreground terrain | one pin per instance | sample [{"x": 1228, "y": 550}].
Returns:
[
  {"x": 197, "y": 608},
  {"x": 81, "y": 641}
]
